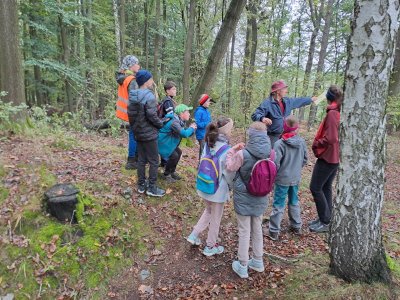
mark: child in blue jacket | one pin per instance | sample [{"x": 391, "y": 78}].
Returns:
[
  {"x": 202, "y": 117},
  {"x": 170, "y": 137}
]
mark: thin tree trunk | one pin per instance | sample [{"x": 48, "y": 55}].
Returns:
[
  {"x": 11, "y": 71},
  {"x": 316, "y": 17},
  {"x": 188, "y": 51},
  {"x": 229, "y": 104},
  {"x": 122, "y": 26},
  {"x": 321, "y": 61},
  {"x": 65, "y": 59},
  {"x": 356, "y": 248},
  {"x": 164, "y": 40},
  {"x": 146, "y": 34},
  {"x": 157, "y": 40},
  {"x": 246, "y": 67},
  {"x": 117, "y": 31},
  {"x": 394, "y": 85},
  {"x": 219, "y": 47}
]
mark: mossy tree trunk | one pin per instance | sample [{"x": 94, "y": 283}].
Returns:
[{"x": 356, "y": 249}]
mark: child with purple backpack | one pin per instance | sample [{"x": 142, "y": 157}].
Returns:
[
  {"x": 250, "y": 200},
  {"x": 212, "y": 184}
]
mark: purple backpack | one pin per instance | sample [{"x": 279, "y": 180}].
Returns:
[
  {"x": 262, "y": 176},
  {"x": 208, "y": 174}
]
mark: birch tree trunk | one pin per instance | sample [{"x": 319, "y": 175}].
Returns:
[
  {"x": 188, "y": 52},
  {"x": 117, "y": 31},
  {"x": 219, "y": 47},
  {"x": 356, "y": 249},
  {"x": 11, "y": 72}
]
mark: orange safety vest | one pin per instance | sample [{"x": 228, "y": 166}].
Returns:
[{"x": 123, "y": 99}]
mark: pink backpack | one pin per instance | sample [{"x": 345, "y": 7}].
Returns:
[{"x": 262, "y": 176}]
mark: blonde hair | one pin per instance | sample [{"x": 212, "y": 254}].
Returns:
[{"x": 258, "y": 126}]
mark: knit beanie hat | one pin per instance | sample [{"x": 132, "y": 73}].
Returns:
[
  {"x": 142, "y": 76},
  {"x": 128, "y": 62}
]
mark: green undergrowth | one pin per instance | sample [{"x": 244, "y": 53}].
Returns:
[
  {"x": 82, "y": 257},
  {"x": 311, "y": 276}
]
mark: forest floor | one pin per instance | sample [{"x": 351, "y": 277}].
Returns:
[{"x": 130, "y": 246}]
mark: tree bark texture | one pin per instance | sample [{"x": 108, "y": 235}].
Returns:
[
  {"x": 356, "y": 249},
  {"x": 11, "y": 72},
  {"x": 219, "y": 47},
  {"x": 188, "y": 51},
  {"x": 394, "y": 85}
]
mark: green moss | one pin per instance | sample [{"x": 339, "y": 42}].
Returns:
[
  {"x": 187, "y": 142},
  {"x": 2, "y": 171},
  {"x": 84, "y": 201},
  {"x": 47, "y": 179},
  {"x": 65, "y": 142},
  {"x": 393, "y": 266},
  {"x": 3, "y": 194}
]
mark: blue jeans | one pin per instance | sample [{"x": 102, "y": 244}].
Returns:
[
  {"x": 294, "y": 211},
  {"x": 132, "y": 145}
]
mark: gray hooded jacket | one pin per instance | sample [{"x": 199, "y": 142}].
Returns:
[
  {"x": 259, "y": 146},
  {"x": 291, "y": 156}
]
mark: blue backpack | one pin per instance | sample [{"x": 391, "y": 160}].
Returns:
[{"x": 208, "y": 173}]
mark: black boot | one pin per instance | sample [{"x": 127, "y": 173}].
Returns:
[{"x": 131, "y": 164}]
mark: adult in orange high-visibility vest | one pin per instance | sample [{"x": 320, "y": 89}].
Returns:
[{"x": 126, "y": 80}]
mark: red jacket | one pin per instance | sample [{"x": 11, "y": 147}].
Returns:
[{"x": 326, "y": 142}]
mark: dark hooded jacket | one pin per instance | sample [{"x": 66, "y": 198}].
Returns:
[
  {"x": 142, "y": 113},
  {"x": 120, "y": 77}
]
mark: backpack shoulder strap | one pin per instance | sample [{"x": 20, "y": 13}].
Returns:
[{"x": 222, "y": 150}]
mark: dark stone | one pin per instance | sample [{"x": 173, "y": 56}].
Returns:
[{"x": 61, "y": 200}]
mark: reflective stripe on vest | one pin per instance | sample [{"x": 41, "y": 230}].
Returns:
[{"x": 123, "y": 99}]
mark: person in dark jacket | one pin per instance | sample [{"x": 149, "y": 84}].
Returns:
[
  {"x": 273, "y": 110},
  {"x": 290, "y": 158},
  {"x": 143, "y": 118},
  {"x": 167, "y": 105},
  {"x": 202, "y": 117},
  {"x": 129, "y": 66},
  {"x": 326, "y": 149},
  {"x": 170, "y": 137},
  {"x": 249, "y": 209}
]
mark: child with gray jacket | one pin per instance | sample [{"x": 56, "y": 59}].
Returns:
[
  {"x": 249, "y": 209},
  {"x": 291, "y": 156}
]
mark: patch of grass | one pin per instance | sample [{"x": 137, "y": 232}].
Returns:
[
  {"x": 187, "y": 142},
  {"x": 3, "y": 171},
  {"x": 3, "y": 194},
  {"x": 311, "y": 277},
  {"x": 64, "y": 142},
  {"x": 394, "y": 266},
  {"x": 47, "y": 179}
]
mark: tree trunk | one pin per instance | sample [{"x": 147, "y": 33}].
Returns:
[
  {"x": 164, "y": 40},
  {"x": 219, "y": 47},
  {"x": 65, "y": 59},
  {"x": 316, "y": 18},
  {"x": 356, "y": 249},
  {"x": 232, "y": 53},
  {"x": 188, "y": 52},
  {"x": 122, "y": 26},
  {"x": 117, "y": 31},
  {"x": 146, "y": 34},
  {"x": 157, "y": 40},
  {"x": 394, "y": 85},
  {"x": 321, "y": 61},
  {"x": 11, "y": 72}
]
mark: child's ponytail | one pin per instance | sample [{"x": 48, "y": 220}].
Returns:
[{"x": 211, "y": 134}]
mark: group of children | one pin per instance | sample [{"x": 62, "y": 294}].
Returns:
[{"x": 158, "y": 129}]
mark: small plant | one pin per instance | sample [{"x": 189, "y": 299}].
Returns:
[{"x": 8, "y": 112}]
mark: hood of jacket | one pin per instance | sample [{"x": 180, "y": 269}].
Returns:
[
  {"x": 294, "y": 141},
  {"x": 139, "y": 95},
  {"x": 257, "y": 143},
  {"x": 120, "y": 77}
]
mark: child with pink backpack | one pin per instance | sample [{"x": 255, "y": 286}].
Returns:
[
  {"x": 212, "y": 184},
  {"x": 255, "y": 174}
]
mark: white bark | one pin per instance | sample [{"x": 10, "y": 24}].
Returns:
[
  {"x": 356, "y": 239},
  {"x": 117, "y": 30}
]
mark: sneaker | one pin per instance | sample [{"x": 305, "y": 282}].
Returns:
[
  {"x": 213, "y": 250},
  {"x": 176, "y": 176},
  {"x": 320, "y": 228},
  {"x": 239, "y": 269},
  {"x": 296, "y": 231},
  {"x": 169, "y": 178},
  {"x": 256, "y": 265},
  {"x": 155, "y": 191},
  {"x": 141, "y": 188},
  {"x": 273, "y": 235},
  {"x": 131, "y": 163},
  {"x": 313, "y": 222},
  {"x": 194, "y": 240}
]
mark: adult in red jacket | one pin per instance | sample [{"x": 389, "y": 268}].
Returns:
[{"x": 326, "y": 149}]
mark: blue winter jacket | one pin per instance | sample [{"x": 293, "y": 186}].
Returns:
[
  {"x": 170, "y": 135},
  {"x": 269, "y": 108},
  {"x": 203, "y": 117}
]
